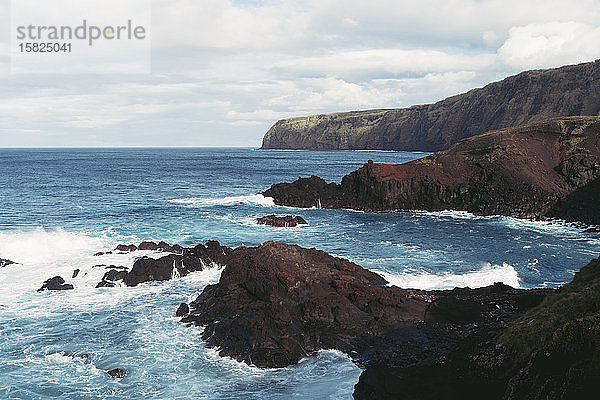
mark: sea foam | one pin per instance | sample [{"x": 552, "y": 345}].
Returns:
[
  {"x": 485, "y": 276},
  {"x": 252, "y": 199}
]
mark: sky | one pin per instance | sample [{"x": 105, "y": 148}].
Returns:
[{"x": 224, "y": 71}]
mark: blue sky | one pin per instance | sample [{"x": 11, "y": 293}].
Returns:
[{"x": 223, "y": 72}]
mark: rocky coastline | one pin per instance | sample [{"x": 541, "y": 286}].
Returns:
[
  {"x": 547, "y": 169},
  {"x": 276, "y": 303}
]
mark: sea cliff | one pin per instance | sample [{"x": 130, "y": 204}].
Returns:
[
  {"x": 530, "y": 96},
  {"x": 549, "y": 168}
]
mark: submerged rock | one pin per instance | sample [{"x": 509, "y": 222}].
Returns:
[
  {"x": 287, "y": 222},
  {"x": 4, "y": 262},
  {"x": 182, "y": 310},
  {"x": 56, "y": 283},
  {"x": 117, "y": 373},
  {"x": 277, "y": 303}
]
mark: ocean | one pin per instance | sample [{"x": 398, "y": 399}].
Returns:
[{"x": 60, "y": 206}]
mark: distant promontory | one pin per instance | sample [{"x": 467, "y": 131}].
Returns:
[{"x": 528, "y": 97}]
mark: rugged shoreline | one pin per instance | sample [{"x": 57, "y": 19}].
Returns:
[
  {"x": 547, "y": 169},
  {"x": 276, "y": 303}
]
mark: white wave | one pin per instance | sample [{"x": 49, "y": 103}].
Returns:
[
  {"x": 553, "y": 227},
  {"x": 77, "y": 364},
  {"x": 485, "y": 276},
  {"x": 42, "y": 246},
  {"x": 253, "y": 199},
  {"x": 455, "y": 214}
]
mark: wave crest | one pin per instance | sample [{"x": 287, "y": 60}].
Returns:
[
  {"x": 485, "y": 276},
  {"x": 252, "y": 199}
]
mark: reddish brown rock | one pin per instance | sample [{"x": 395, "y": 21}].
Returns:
[
  {"x": 117, "y": 373},
  {"x": 521, "y": 172}
]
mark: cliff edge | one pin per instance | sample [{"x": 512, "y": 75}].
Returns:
[{"x": 521, "y": 99}]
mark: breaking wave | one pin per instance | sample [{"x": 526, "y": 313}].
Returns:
[
  {"x": 252, "y": 199},
  {"x": 485, "y": 276}
]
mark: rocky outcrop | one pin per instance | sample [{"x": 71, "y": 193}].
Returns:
[
  {"x": 580, "y": 205},
  {"x": 111, "y": 276},
  {"x": 528, "y": 97},
  {"x": 284, "y": 222},
  {"x": 117, "y": 373},
  {"x": 550, "y": 352},
  {"x": 126, "y": 248},
  {"x": 188, "y": 260},
  {"x": 276, "y": 303},
  {"x": 4, "y": 262},
  {"x": 544, "y": 169},
  {"x": 182, "y": 310},
  {"x": 56, "y": 283}
]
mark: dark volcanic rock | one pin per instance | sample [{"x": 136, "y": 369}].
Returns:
[
  {"x": 277, "y": 303},
  {"x": 117, "y": 373},
  {"x": 528, "y": 97},
  {"x": 550, "y": 352},
  {"x": 581, "y": 205},
  {"x": 287, "y": 222},
  {"x": 182, "y": 310},
  {"x": 126, "y": 247},
  {"x": 161, "y": 246},
  {"x": 521, "y": 172},
  {"x": 56, "y": 283},
  {"x": 4, "y": 262},
  {"x": 111, "y": 276},
  {"x": 181, "y": 264},
  {"x": 75, "y": 273},
  {"x": 148, "y": 246},
  {"x": 101, "y": 253}
]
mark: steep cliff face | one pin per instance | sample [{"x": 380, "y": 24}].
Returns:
[
  {"x": 521, "y": 172},
  {"x": 528, "y": 97}
]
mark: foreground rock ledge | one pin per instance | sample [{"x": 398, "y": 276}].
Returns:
[
  {"x": 550, "y": 352},
  {"x": 277, "y": 303}
]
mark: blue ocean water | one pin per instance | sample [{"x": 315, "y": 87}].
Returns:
[{"x": 60, "y": 206}]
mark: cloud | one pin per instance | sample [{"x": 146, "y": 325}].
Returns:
[
  {"x": 224, "y": 71},
  {"x": 550, "y": 44}
]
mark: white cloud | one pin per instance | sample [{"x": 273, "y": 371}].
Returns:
[
  {"x": 224, "y": 71},
  {"x": 550, "y": 44}
]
